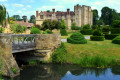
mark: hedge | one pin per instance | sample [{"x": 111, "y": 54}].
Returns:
[
  {"x": 86, "y": 31},
  {"x": 111, "y": 36},
  {"x": 116, "y": 40},
  {"x": 77, "y": 38},
  {"x": 63, "y": 32},
  {"x": 115, "y": 31},
  {"x": 97, "y": 38}
]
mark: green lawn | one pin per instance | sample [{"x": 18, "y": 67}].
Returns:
[{"x": 93, "y": 48}]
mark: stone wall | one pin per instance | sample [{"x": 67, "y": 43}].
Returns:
[{"x": 8, "y": 61}]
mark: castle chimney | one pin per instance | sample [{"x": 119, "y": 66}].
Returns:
[
  {"x": 68, "y": 11},
  {"x": 53, "y": 10},
  {"x": 37, "y": 13}
]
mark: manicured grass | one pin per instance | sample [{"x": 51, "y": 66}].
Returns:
[{"x": 93, "y": 54}]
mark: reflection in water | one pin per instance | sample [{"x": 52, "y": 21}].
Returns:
[{"x": 67, "y": 72}]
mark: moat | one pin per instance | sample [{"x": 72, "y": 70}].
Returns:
[{"x": 67, "y": 72}]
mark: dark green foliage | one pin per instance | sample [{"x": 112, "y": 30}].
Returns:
[
  {"x": 115, "y": 30},
  {"x": 95, "y": 16},
  {"x": 116, "y": 24},
  {"x": 63, "y": 32},
  {"x": 86, "y": 31},
  {"x": 47, "y": 24},
  {"x": 87, "y": 26},
  {"x": 49, "y": 31},
  {"x": 97, "y": 33},
  {"x": 35, "y": 31},
  {"x": 32, "y": 19},
  {"x": 94, "y": 27},
  {"x": 77, "y": 38},
  {"x": 37, "y": 26},
  {"x": 111, "y": 36},
  {"x": 116, "y": 40},
  {"x": 105, "y": 29},
  {"x": 16, "y": 18},
  {"x": 109, "y": 15},
  {"x": 74, "y": 27},
  {"x": 59, "y": 55},
  {"x": 97, "y": 38}
]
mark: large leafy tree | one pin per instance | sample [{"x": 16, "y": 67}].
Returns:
[
  {"x": 95, "y": 16},
  {"x": 4, "y": 16},
  {"x": 109, "y": 15},
  {"x": 16, "y": 17},
  {"x": 32, "y": 19}
]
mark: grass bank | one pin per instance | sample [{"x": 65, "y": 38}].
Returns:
[{"x": 92, "y": 54}]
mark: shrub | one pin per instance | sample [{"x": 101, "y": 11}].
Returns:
[
  {"x": 86, "y": 31},
  {"x": 116, "y": 24},
  {"x": 116, "y": 40},
  {"x": 49, "y": 31},
  {"x": 77, "y": 38},
  {"x": 2, "y": 29},
  {"x": 45, "y": 32},
  {"x": 97, "y": 38},
  {"x": 105, "y": 29},
  {"x": 59, "y": 55},
  {"x": 63, "y": 32},
  {"x": 74, "y": 27},
  {"x": 97, "y": 33},
  {"x": 110, "y": 36},
  {"x": 87, "y": 26},
  {"x": 115, "y": 30},
  {"x": 94, "y": 27},
  {"x": 35, "y": 31}
]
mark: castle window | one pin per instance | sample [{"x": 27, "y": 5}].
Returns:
[{"x": 41, "y": 16}]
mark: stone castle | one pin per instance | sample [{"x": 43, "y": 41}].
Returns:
[{"x": 81, "y": 15}]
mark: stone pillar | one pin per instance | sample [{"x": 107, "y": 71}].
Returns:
[
  {"x": 46, "y": 44},
  {"x": 8, "y": 61},
  {"x": 68, "y": 20}
]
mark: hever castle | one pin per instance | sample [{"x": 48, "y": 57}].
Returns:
[{"x": 81, "y": 15}]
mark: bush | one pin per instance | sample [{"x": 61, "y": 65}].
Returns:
[
  {"x": 63, "y": 32},
  {"x": 110, "y": 36},
  {"x": 105, "y": 29},
  {"x": 115, "y": 30},
  {"x": 87, "y": 26},
  {"x": 59, "y": 55},
  {"x": 116, "y": 24},
  {"x": 35, "y": 31},
  {"x": 49, "y": 31},
  {"x": 2, "y": 29},
  {"x": 86, "y": 31},
  {"x": 97, "y": 33},
  {"x": 116, "y": 40},
  {"x": 74, "y": 27},
  {"x": 45, "y": 32},
  {"x": 77, "y": 38},
  {"x": 97, "y": 38},
  {"x": 94, "y": 27}
]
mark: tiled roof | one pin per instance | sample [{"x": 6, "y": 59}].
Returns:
[{"x": 24, "y": 23}]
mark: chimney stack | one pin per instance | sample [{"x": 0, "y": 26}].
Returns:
[
  {"x": 53, "y": 10},
  {"x": 68, "y": 11},
  {"x": 37, "y": 13}
]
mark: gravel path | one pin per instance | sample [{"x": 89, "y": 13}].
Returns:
[{"x": 65, "y": 40}]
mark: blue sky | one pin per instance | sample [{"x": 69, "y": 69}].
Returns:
[{"x": 29, "y": 7}]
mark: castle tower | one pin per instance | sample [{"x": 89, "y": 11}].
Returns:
[{"x": 77, "y": 10}]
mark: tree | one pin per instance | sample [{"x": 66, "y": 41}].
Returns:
[
  {"x": 4, "y": 16},
  {"x": 48, "y": 11},
  {"x": 63, "y": 26},
  {"x": 18, "y": 28},
  {"x": 95, "y": 16},
  {"x": 24, "y": 18},
  {"x": 32, "y": 19},
  {"x": 109, "y": 15},
  {"x": 17, "y": 17}
]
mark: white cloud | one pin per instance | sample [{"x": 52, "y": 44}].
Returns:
[
  {"x": 28, "y": 6},
  {"x": 3, "y": 0},
  {"x": 17, "y": 5}
]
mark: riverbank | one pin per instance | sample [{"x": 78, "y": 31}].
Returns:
[{"x": 93, "y": 54}]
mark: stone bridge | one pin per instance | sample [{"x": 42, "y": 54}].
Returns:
[{"x": 14, "y": 44}]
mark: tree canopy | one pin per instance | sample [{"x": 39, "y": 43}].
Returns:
[
  {"x": 4, "y": 16},
  {"x": 95, "y": 16}
]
